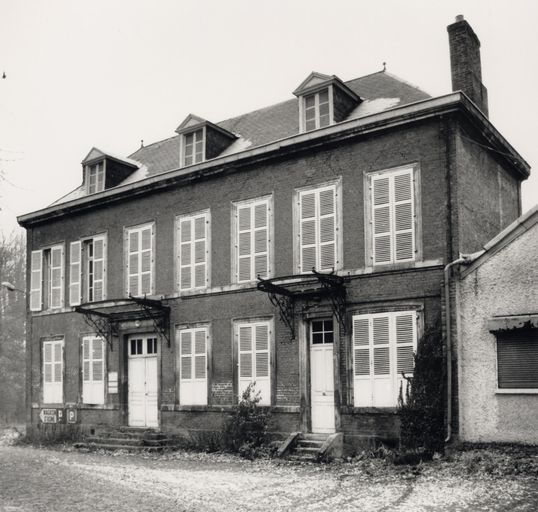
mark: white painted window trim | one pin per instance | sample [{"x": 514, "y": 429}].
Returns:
[
  {"x": 36, "y": 280},
  {"x": 302, "y": 109},
  {"x": 37, "y": 275},
  {"x": 337, "y": 183},
  {"x": 182, "y": 145},
  {"x": 93, "y": 390},
  {"x": 52, "y": 391},
  {"x": 368, "y": 216},
  {"x": 177, "y": 251},
  {"x": 268, "y": 199},
  {"x": 99, "y": 183},
  {"x": 126, "y": 240}
]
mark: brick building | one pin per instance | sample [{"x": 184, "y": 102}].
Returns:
[{"x": 300, "y": 246}]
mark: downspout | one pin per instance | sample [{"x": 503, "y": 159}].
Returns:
[{"x": 464, "y": 259}]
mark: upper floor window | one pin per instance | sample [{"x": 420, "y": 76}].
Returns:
[
  {"x": 393, "y": 217},
  {"x": 193, "y": 147},
  {"x": 140, "y": 260},
  {"x": 192, "y": 250},
  {"x": 96, "y": 177},
  {"x": 316, "y": 110},
  {"x": 87, "y": 270},
  {"x": 47, "y": 278},
  {"x": 319, "y": 228},
  {"x": 251, "y": 245}
]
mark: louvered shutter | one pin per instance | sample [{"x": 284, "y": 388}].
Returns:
[
  {"x": 308, "y": 231},
  {"x": 382, "y": 246},
  {"x": 193, "y": 366},
  {"x": 405, "y": 325},
  {"x": 517, "y": 359},
  {"x": 53, "y": 372},
  {"x": 75, "y": 289},
  {"x": 93, "y": 370},
  {"x": 327, "y": 229},
  {"x": 56, "y": 276},
  {"x": 382, "y": 380},
  {"x": 99, "y": 268},
  {"x": 193, "y": 252},
  {"x": 404, "y": 236},
  {"x": 36, "y": 281},
  {"x": 361, "y": 356},
  {"x": 133, "y": 268},
  {"x": 200, "y": 252},
  {"x": 244, "y": 243},
  {"x": 146, "y": 260},
  {"x": 139, "y": 261}
]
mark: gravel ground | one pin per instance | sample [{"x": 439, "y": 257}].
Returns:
[{"x": 53, "y": 480}]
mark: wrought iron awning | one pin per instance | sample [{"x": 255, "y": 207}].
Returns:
[
  {"x": 285, "y": 291},
  {"x": 104, "y": 316}
]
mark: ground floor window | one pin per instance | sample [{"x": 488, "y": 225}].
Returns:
[
  {"x": 253, "y": 341},
  {"x": 93, "y": 370},
  {"x": 53, "y": 370},
  {"x": 517, "y": 359},
  {"x": 192, "y": 354},
  {"x": 383, "y": 348}
]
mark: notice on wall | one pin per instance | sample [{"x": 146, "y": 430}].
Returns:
[
  {"x": 112, "y": 382},
  {"x": 51, "y": 416}
]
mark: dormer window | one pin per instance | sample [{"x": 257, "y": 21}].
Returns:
[
  {"x": 317, "y": 110},
  {"x": 323, "y": 100},
  {"x": 96, "y": 177},
  {"x": 200, "y": 140},
  {"x": 193, "y": 147}
]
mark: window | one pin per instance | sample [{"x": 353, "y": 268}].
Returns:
[
  {"x": 53, "y": 365},
  {"x": 253, "y": 342},
  {"x": 192, "y": 251},
  {"x": 383, "y": 348},
  {"x": 142, "y": 347},
  {"x": 193, "y": 344},
  {"x": 392, "y": 214},
  {"x": 319, "y": 229},
  {"x": 87, "y": 270},
  {"x": 96, "y": 177},
  {"x": 517, "y": 359},
  {"x": 140, "y": 260},
  {"x": 252, "y": 239},
  {"x": 322, "y": 332},
  {"x": 193, "y": 147},
  {"x": 93, "y": 370},
  {"x": 316, "y": 110},
  {"x": 47, "y": 278}
]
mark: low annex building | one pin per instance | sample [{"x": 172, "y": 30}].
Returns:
[{"x": 300, "y": 246}]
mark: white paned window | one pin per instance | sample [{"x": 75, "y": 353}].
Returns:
[
  {"x": 139, "y": 260},
  {"x": 383, "y": 349},
  {"x": 96, "y": 178},
  {"x": 47, "y": 278},
  {"x": 53, "y": 371},
  {"x": 316, "y": 109},
  {"x": 393, "y": 217},
  {"x": 192, "y": 252},
  {"x": 193, "y": 345},
  {"x": 87, "y": 275},
  {"x": 252, "y": 243},
  {"x": 93, "y": 370},
  {"x": 193, "y": 147},
  {"x": 253, "y": 344},
  {"x": 318, "y": 229}
]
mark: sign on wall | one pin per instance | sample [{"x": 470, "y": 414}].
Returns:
[
  {"x": 71, "y": 415},
  {"x": 112, "y": 382},
  {"x": 52, "y": 416}
]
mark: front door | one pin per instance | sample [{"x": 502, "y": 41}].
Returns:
[
  {"x": 322, "y": 376},
  {"x": 143, "y": 381}
]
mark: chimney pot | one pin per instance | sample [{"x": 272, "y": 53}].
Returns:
[{"x": 459, "y": 17}]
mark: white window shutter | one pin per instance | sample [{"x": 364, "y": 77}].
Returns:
[
  {"x": 185, "y": 254},
  {"x": 308, "y": 231},
  {"x": 193, "y": 251},
  {"x": 36, "y": 281},
  {"x": 56, "y": 276},
  {"x": 132, "y": 264},
  {"x": 382, "y": 246},
  {"x": 404, "y": 217},
  {"x": 75, "y": 273},
  {"x": 146, "y": 260},
  {"x": 53, "y": 372},
  {"x": 244, "y": 243},
  {"x": 361, "y": 355},
  {"x": 406, "y": 339},
  {"x": 93, "y": 370},
  {"x": 139, "y": 260},
  {"x": 193, "y": 366},
  {"x": 200, "y": 252},
  {"x": 99, "y": 268},
  {"x": 327, "y": 229}
]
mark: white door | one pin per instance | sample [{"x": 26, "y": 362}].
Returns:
[
  {"x": 143, "y": 381},
  {"x": 322, "y": 376}
]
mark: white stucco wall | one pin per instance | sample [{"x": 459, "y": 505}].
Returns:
[{"x": 504, "y": 284}]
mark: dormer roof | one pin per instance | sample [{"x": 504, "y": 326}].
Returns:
[
  {"x": 316, "y": 81},
  {"x": 96, "y": 154},
  {"x": 193, "y": 122}
]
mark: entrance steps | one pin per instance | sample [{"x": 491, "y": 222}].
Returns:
[
  {"x": 309, "y": 447},
  {"x": 127, "y": 438}
]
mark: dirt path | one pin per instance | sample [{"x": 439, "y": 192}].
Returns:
[{"x": 46, "y": 480}]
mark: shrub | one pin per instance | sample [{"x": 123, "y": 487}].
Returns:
[
  {"x": 246, "y": 430},
  {"x": 422, "y": 412},
  {"x": 207, "y": 441}
]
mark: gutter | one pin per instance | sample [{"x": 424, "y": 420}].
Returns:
[{"x": 347, "y": 129}]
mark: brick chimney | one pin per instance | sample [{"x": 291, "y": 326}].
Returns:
[{"x": 465, "y": 63}]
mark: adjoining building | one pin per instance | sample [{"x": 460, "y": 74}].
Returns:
[
  {"x": 498, "y": 338},
  {"x": 300, "y": 246}
]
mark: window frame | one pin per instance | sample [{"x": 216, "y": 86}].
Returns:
[
  {"x": 368, "y": 178},
  {"x": 92, "y": 383},
  {"x": 339, "y": 252},
  {"x": 100, "y": 175},
  {"x": 302, "y": 107},
  {"x": 53, "y": 341},
  {"x": 126, "y": 268},
  {"x": 183, "y": 146},
  {"x": 44, "y": 288},
  {"x": 177, "y": 251},
  {"x": 252, "y": 203}
]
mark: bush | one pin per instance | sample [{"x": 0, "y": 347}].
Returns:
[
  {"x": 52, "y": 434},
  {"x": 422, "y": 412},
  {"x": 207, "y": 441},
  {"x": 246, "y": 430}
]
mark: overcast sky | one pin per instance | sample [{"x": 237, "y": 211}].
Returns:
[{"x": 110, "y": 73}]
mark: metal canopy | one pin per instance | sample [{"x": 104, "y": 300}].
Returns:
[
  {"x": 104, "y": 316},
  {"x": 285, "y": 291}
]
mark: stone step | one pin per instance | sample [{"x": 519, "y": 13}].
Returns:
[
  {"x": 115, "y": 440},
  {"x": 310, "y": 443}
]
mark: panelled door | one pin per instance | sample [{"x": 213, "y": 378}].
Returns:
[
  {"x": 322, "y": 376},
  {"x": 143, "y": 381}
]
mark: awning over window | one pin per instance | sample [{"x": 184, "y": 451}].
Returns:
[{"x": 508, "y": 323}]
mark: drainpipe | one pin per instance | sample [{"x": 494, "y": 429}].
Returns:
[{"x": 464, "y": 259}]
